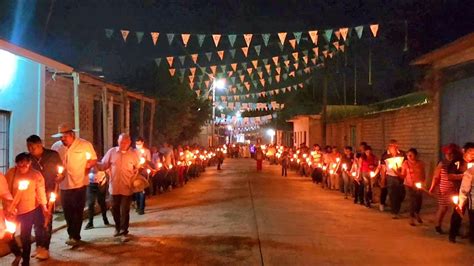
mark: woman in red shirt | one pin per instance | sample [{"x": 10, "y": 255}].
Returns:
[{"x": 368, "y": 169}]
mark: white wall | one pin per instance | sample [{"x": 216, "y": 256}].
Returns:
[{"x": 23, "y": 97}]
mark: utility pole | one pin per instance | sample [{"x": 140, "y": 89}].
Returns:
[{"x": 325, "y": 103}]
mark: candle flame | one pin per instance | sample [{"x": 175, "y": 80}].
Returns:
[
  {"x": 354, "y": 174},
  {"x": 60, "y": 169},
  {"x": 338, "y": 159},
  {"x": 160, "y": 165},
  {"x": 372, "y": 174},
  {"x": 148, "y": 171},
  {"x": 88, "y": 156},
  {"x": 331, "y": 172},
  {"x": 455, "y": 199},
  {"x": 418, "y": 185},
  {"x": 23, "y": 184},
  {"x": 470, "y": 165},
  {"x": 11, "y": 227},
  {"x": 170, "y": 166},
  {"x": 142, "y": 160},
  {"x": 52, "y": 197},
  {"x": 344, "y": 166}
]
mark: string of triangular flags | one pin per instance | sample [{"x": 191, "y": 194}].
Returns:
[
  {"x": 247, "y": 38},
  {"x": 273, "y": 105},
  {"x": 244, "y": 121}
]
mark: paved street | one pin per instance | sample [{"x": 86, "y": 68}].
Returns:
[{"x": 238, "y": 216}]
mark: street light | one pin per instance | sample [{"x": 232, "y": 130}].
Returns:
[
  {"x": 271, "y": 133},
  {"x": 216, "y": 84}
]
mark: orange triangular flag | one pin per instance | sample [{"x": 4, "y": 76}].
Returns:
[
  {"x": 325, "y": 53},
  {"x": 295, "y": 65},
  {"x": 344, "y": 32},
  {"x": 245, "y": 50},
  {"x": 314, "y": 61},
  {"x": 293, "y": 43},
  {"x": 278, "y": 70},
  {"x": 198, "y": 93},
  {"x": 192, "y": 70},
  {"x": 230, "y": 73},
  {"x": 341, "y": 47},
  {"x": 275, "y": 60},
  {"x": 263, "y": 82},
  {"x": 249, "y": 70},
  {"x": 316, "y": 51},
  {"x": 314, "y": 36},
  {"x": 172, "y": 71},
  {"x": 287, "y": 63},
  {"x": 374, "y": 28},
  {"x": 292, "y": 74},
  {"x": 207, "y": 83},
  {"x": 234, "y": 66},
  {"x": 282, "y": 36},
  {"x": 191, "y": 85},
  {"x": 185, "y": 37},
  {"x": 277, "y": 78},
  {"x": 295, "y": 55},
  {"x": 191, "y": 79},
  {"x": 242, "y": 77},
  {"x": 216, "y": 38},
  {"x": 195, "y": 58},
  {"x": 338, "y": 34},
  {"x": 267, "y": 67},
  {"x": 255, "y": 63},
  {"x": 248, "y": 38},
  {"x": 125, "y": 34},
  {"x": 154, "y": 37},
  {"x": 336, "y": 44},
  {"x": 247, "y": 85},
  {"x": 170, "y": 60},
  {"x": 221, "y": 54},
  {"x": 305, "y": 58},
  {"x": 213, "y": 69}
]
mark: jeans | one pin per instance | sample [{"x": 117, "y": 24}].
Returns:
[
  {"x": 383, "y": 195},
  {"x": 96, "y": 192},
  {"x": 27, "y": 220},
  {"x": 368, "y": 187},
  {"x": 358, "y": 192},
  {"x": 73, "y": 202},
  {"x": 140, "y": 200},
  {"x": 121, "y": 212},
  {"x": 416, "y": 198},
  {"x": 284, "y": 170},
  {"x": 347, "y": 181},
  {"x": 396, "y": 191}
]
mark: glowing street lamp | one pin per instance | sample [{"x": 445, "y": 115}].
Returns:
[
  {"x": 219, "y": 84},
  {"x": 271, "y": 133}
]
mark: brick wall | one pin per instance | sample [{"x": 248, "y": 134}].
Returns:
[{"x": 411, "y": 127}]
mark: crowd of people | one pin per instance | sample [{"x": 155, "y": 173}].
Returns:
[
  {"x": 72, "y": 172},
  {"x": 396, "y": 175}
]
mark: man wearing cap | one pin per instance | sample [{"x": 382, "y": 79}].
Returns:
[
  {"x": 78, "y": 157},
  {"x": 123, "y": 163}
]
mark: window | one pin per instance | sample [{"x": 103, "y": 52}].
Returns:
[{"x": 4, "y": 151}]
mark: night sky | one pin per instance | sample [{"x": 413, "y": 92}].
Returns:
[{"x": 72, "y": 31}]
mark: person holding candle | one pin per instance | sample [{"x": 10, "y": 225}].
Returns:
[
  {"x": 78, "y": 156},
  {"x": 7, "y": 199},
  {"x": 145, "y": 156},
  {"x": 334, "y": 160},
  {"x": 123, "y": 163},
  {"x": 29, "y": 202},
  {"x": 391, "y": 162},
  {"x": 47, "y": 162},
  {"x": 96, "y": 191},
  {"x": 413, "y": 171},
  {"x": 347, "y": 160},
  {"x": 368, "y": 165},
  {"x": 447, "y": 187},
  {"x": 465, "y": 199}
]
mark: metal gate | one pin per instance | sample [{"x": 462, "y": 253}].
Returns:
[{"x": 457, "y": 112}]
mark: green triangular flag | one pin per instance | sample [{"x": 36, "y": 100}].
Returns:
[
  {"x": 270, "y": 80},
  {"x": 232, "y": 38},
  {"x": 109, "y": 33},
  {"x": 201, "y": 39},
  {"x": 139, "y": 35},
  {"x": 181, "y": 71},
  {"x": 255, "y": 83},
  {"x": 297, "y": 36},
  {"x": 244, "y": 65},
  {"x": 299, "y": 72},
  {"x": 232, "y": 53},
  {"x": 158, "y": 61},
  {"x": 281, "y": 46},
  {"x": 239, "y": 71},
  {"x": 233, "y": 80},
  {"x": 285, "y": 57},
  {"x": 259, "y": 69},
  {"x": 305, "y": 52},
  {"x": 209, "y": 55},
  {"x": 257, "y": 49},
  {"x": 284, "y": 76},
  {"x": 266, "y": 38},
  {"x": 181, "y": 79},
  {"x": 170, "y": 37},
  {"x": 223, "y": 68},
  {"x": 328, "y": 35},
  {"x": 181, "y": 59},
  {"x": 265, "y": 61},
  {"x": 359, "y": 30},
  {"x": 203, "y": 70}
]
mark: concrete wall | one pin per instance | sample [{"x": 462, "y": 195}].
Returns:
[
  {"x": 411, "y": 127},
  {"x": 24, "y": 98}
]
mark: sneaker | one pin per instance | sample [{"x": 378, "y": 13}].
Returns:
[
  {"x": 72, "y": 242},
  {"x": 439, "y": 230},
  {"x": 117, "y": 233},
  {"x": 381, "y": 207},
  {"x": 396, "y": 217},
  {"x": 140, "y": 212},
  {"x": 89, "y": 226},
  {"x": 412, "y": 222},
  {"x": 418, "y": 219},
  {"x": 42, "y": 254}
]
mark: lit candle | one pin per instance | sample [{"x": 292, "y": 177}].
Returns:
[
  {"x": 142, "y": 160},
  {"x": 160, "y": 165},
  {"x": 331, "y": 172},
  {"x": 148, "y": 171},
  {"x": 344, "y": 166},
  {"x": 22, "y": 186},
  {"x": 418, "y": 185},
  {"x": 189, "y": 163},
  {"x": 333, "y": 165},
  {"x": 457, "y": 164},
  {"x": 470, "y": 165},
  {"x": 179, "y": 163},
  {"x": 324, "y": 168},
  {"x": 455, "y": 200},
  {"x": 170, "y": 166},
  {"x": 338, "y": 159},
  {"x": 10, "y": 227},
  {"x": 52, "y": 197},
  {"x": 372, "y": 174},
  {"x": 88, "y": 156},
  {"x": 60, "y": 169},
  {"x": 305, "y": 155},
  {"x": 354, "y": 174},
  {"x": 320, "y": 165}
]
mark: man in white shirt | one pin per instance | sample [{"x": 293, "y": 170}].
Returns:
[
  {"x": 123, "y": 163},
  {"x": 78, "y": 157}
]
